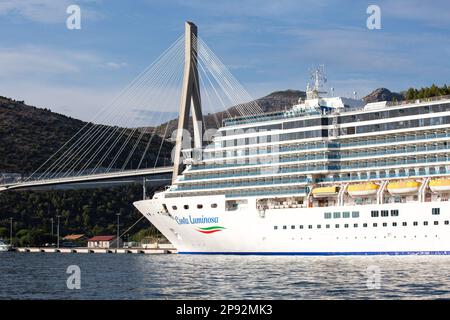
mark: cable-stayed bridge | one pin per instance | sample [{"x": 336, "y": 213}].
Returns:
[
  {"x": 160, "y": 175},
  {"x": 128, "y": 137}
]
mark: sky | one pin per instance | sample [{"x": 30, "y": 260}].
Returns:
[{"x": 267, "y": 45}]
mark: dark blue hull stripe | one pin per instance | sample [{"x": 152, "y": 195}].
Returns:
[{"x": 370, "y": 253}]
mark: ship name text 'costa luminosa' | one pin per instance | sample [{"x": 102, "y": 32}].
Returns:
[{"x": 327, "y": 176}]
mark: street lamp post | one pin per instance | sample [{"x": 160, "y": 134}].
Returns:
[
  {"x": 118, "y": 223},
  {"x": 11, "y": 232},
  {"x": 57, "y": 231},
  {"x": 51, "y": 220}
]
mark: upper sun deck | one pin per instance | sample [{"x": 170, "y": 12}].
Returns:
[{"x": 327, "y": 106}]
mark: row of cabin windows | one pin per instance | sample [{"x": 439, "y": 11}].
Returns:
[
  {"x": 345, "y": 214},
  {"x": 355, "y": 225},
  {"x": 383, "y": 213},
  {"x": 394, "y": 113},
  {"x": 199, "y": 206}
]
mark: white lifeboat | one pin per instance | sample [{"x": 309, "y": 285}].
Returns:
[
  {"x": 321, "y": 192},
  {"x": 362, "y": 189},
  {"x": 403, "y": 187},
  {"x": 440, "y": 185}
]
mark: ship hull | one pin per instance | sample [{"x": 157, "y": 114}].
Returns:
[{"x": 290, "y": 231}]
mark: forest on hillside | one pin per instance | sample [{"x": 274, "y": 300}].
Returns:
[
  {"x": 91, "y": 212},
  {"x": 29, "y": 136},
  {"x": 427, "y": 92}
]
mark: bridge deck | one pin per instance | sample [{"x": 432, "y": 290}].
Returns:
[{"x": 87, "y": 178}]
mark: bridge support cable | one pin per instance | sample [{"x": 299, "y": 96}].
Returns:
[
  {"x": 92, "y": 141},
  {"x": 242, "y": 99},
  {"x": 37, "y": 174},
  {"x": 127, "y": 133}
]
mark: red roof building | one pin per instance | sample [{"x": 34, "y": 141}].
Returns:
[{"x": 104, "y": 242}]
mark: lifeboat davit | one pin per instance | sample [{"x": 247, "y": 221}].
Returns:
[
  {"x": 325, "y": 191},
  {"x": 440, "y": 185},
  {"x": 403, "y": 187},
  {"x": 362, "y": 189}
]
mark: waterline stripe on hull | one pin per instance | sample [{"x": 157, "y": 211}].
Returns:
[{"x": 391, "y": 253}]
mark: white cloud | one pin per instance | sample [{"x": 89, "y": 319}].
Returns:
[
  {"x": 78, "y": 102},
  {"x": 256, "y": 8},
  {"x": 31, "y": 61},
  {"x": 40, "y": 62},
  {"x": 115, "y": 65},
  {"x": 435, "y": 14},
  {"x": 47, "y": 11}
]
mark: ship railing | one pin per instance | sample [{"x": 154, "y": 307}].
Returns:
[
  {"x": 302, "y": 191},
  {"x": 240, "y": 184},
  {"x": 366, "y": 142},
  {"x": 385, "y": 176},
  {"x": 322, "y": 157}
]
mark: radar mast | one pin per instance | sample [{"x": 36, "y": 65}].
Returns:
[{"x": 318, "y": 80}]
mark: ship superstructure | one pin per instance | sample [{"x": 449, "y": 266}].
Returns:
[{"x": 330, "y": 175}]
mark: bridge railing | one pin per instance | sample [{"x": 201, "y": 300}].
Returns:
[{"x": 8, "y": 179}]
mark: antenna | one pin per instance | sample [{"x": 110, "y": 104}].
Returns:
[{"x": 318, "y": 79}]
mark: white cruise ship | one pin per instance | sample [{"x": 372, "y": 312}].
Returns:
[{"x": 329, "y": 176}]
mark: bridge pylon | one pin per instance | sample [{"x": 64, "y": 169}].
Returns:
[{"x": 190, "y": 98}]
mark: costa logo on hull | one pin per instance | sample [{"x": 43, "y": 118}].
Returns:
[
  {"x": 201, "y": 220},
  {"x": 209, "y": 230}
]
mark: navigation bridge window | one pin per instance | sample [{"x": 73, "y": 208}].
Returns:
[{"x": 436, "y": 211}]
